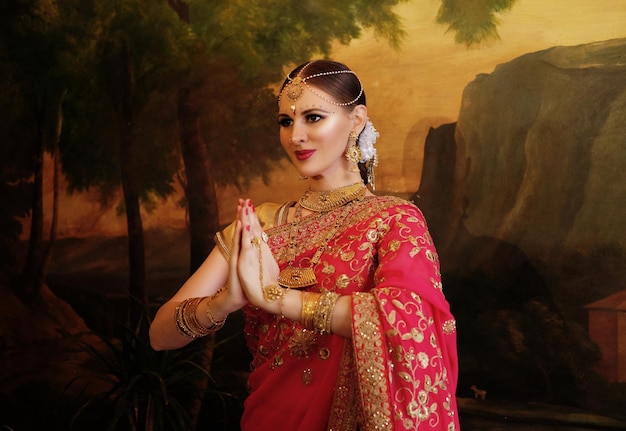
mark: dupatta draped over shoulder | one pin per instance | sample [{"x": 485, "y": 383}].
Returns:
[{"x": 399, "y": 370}]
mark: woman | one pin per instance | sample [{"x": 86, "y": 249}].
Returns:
[{"x": 345, "y": 315}]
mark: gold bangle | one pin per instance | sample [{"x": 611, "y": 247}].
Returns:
[
  {"x": 281, "y": 304},
  {"x": 215, "y": 324},
  {"x": 322, "y": 317},
  {"x": 180, "y": 323},
  {"x": 309, "y": 304},
  {"x": 191, "y": 317},
  {"x": 187, "y": 319}
]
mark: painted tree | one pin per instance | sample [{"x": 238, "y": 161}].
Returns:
[
  {"x": 138, "y": 70},
  {"x": 36, "y": 47},
  {"x": 124, "y": 103},
  {"x": 473, "y": 22},
  {"x": 37, "y": 79}
]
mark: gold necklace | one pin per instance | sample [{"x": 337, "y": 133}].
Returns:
[
  {"x": 297, "y": 278},
  {"x": 332, "y": 199}
]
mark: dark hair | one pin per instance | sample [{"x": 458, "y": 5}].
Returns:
[{"x": 343, "y": 87}]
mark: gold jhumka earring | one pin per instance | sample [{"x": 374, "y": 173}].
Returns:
[{"x": 353, "y": 152}]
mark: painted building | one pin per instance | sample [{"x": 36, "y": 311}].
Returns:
[{"x": 607, "y": 328}]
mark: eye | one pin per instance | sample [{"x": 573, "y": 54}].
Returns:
[
  {"x": 313, "y": 118},
  {"x": 285, "y": 122}
]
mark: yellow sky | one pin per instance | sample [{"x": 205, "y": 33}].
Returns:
[{"x": 421, "y": 84}]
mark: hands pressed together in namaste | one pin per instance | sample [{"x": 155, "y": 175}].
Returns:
[{"x": 253, "y": 271}]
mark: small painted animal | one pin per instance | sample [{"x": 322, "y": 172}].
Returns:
[{"x": 479, "y": 393}]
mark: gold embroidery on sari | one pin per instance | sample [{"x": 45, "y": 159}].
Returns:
[
  {"x": 449, "y": 326},
  {"x": 328, "y": 268},
  {"x": 277, "y": 362},
  {"x": 345, "y": 412},
  {"x": 314, "y": 227},
  {"x": 307, "y": 376},
  {"x": 324, "y": 353},
  {"x": 342, "y": 281},
  {"x": 348, "y": 255},
  {"x": 421, "y": 365},
  {"x": 302, "y": 343},
  {"x": 370, "y": 361}
]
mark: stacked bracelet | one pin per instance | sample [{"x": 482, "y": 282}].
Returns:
[
  {"x": 309, "y": 303},
  {"x": 187, "y": 320},
  {"x": 317, "y": 311}
]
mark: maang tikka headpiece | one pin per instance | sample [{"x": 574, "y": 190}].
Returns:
[{"x": 295, "y": 87}]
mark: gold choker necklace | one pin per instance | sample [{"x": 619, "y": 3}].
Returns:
[{"x": 332, "y": 199}]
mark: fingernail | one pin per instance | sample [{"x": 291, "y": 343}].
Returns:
[
  {"x": 253, "y": 208},
  {"x": 246, "y": 211},
  {"x": 248, "y": 228}
]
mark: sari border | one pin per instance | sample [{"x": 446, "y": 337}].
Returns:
[
  {"x": 345, "y": 410},
  {"x": 371, "y": 362}
]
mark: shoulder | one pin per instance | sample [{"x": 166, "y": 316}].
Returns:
[
  {"x": 391, "y": 211},
  {"x": 389, "y": 203},
  {"x": 272, "y": 214}
]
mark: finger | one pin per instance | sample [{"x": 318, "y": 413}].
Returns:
[
  {"x": 254, "y": 221},
  {"x": 236, "y": 245},
  {"x": 251, "y": 226},
  {"x": 237, "y": 231},
  {"x": 256, "y": 230}
]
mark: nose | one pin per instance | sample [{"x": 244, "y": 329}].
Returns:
[{"x": 298, "y": 134}]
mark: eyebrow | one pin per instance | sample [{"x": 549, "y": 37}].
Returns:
[{"x": 305, "y": 112}]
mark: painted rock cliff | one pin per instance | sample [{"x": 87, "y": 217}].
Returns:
[
  {"x": 529, "y": 185},
  {"x": 541, "y": 150}
]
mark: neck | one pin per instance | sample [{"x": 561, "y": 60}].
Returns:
[{"x": 321, "y": 184}]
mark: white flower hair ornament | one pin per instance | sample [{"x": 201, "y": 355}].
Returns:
[{"x": 366, "y": 142}]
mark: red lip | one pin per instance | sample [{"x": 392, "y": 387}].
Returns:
[{"x": 304, "y": 154}]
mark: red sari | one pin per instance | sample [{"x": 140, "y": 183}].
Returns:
[{"x": 399, "y": 370}]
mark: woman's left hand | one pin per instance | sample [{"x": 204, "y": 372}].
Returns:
[{"x": 256, "y": 265}]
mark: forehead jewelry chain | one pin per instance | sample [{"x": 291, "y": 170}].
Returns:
[{"x": 296, "y": 85}]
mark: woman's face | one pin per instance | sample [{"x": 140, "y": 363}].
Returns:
[{"x": 314, "y": 133}]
